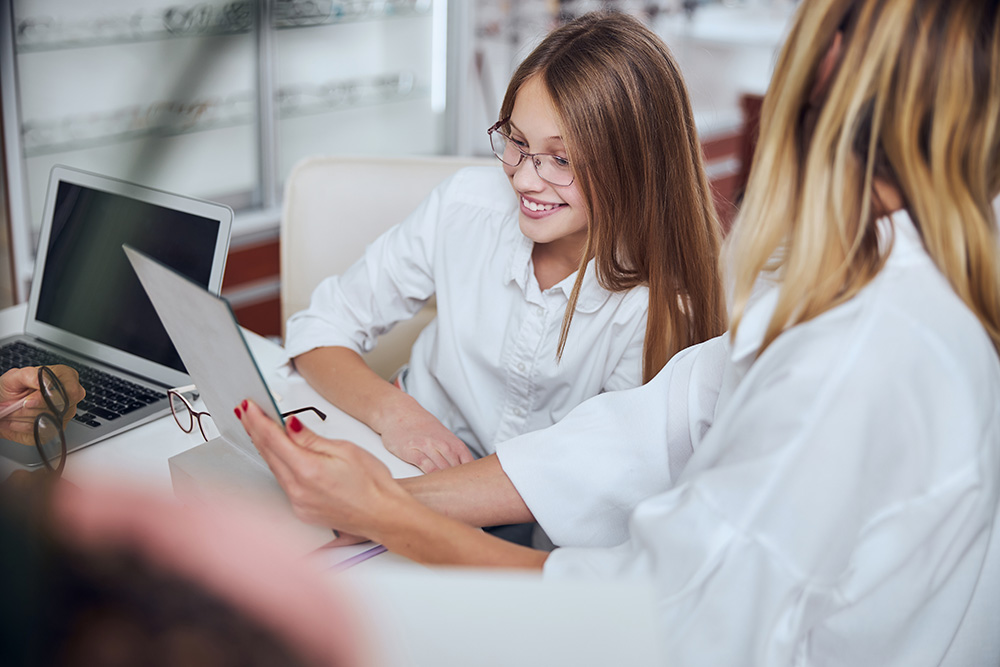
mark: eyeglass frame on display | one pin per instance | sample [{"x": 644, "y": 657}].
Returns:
[
  {"x": 56, "y": 416},
  {"x": 196, "y": 415},
  {"x": 508, "y": 141}
]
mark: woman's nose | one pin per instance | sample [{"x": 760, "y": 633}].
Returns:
[{"x": 525, "y": 177}]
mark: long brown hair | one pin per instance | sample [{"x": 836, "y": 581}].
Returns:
[
  {"x": 914, "y": 102},
  {"x": 630, "y": 135}
]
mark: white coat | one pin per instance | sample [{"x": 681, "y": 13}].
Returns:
[{"x": 832, "y": 501}]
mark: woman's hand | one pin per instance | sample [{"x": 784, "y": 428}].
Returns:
[
  {"x": 329, "y": 482},
  {"x": 408, "y": 430},
  {"x": 21, "y": 384},
  {"x": 337, "y": 484},
  {"x": 416, "y": 436}
]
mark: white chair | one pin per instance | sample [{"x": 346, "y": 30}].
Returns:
[{"x": 334, "y": 206}]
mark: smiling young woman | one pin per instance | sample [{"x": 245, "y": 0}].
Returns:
[{"x": 599, "y": 216}]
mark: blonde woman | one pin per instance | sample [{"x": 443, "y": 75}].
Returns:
[{"x": 820, "y": 485}]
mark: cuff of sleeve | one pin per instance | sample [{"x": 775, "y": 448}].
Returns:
[
  {"x": 303, "y": 339},
  {"x": 551, "y": 477}
]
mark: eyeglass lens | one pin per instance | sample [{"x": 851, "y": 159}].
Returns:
[
  {"x": 185, "y": 415},
  {"x": 552, "y": 168},
  {"x": 52, "y": 391},
  {"x": 50, "y": 441},
  {"x": 181, "y": 412}
]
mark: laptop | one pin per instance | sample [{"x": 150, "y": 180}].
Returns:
[
  {"x": 228, "y": 468},
  {"x": 210, "y": 341},
  {"x": 88, "y": 310}
]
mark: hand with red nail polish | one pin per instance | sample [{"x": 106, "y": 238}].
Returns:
[
  {"x": 336, "y": 484},
  {"x": 329, "y": 482}
]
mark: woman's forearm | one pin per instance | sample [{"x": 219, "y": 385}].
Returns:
[
  {"x": 477, "y": 493},
  {"x": 408, "y": 430},
  {"x": 421, "y": 534},
  {"x": 342, "y": 377}
]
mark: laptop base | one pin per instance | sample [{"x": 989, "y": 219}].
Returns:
[{"x": 217, "y": 473}]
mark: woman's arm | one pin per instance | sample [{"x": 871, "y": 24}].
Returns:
[
  {"x": 338, "y": 484},
  {"x": 408, "y": 431},
  {"x": 423, "y": 535},
  {"x": 477, "y": 493},
  {"x": 388, "y": 284}
]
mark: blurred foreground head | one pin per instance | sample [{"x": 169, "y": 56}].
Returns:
[{"x": 116, "y": 577}]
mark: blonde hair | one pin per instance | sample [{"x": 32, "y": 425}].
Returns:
[
  {"x": 630, "y": 135},
  {"x": 914, "y": 102}
]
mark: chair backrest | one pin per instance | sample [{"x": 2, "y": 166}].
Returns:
[{"x": 334, "y": 206}]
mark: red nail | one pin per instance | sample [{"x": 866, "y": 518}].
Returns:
[
  {"x": 244, "y": 404},
  {"x": 294, "y": 424},
  {"x": 239, "y": 415}
]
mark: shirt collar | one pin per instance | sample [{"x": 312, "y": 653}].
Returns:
[
  {"x": 592, "y": 296},
  {"x": 753, "y": 324},
  {"x": 896, "y": 229}
]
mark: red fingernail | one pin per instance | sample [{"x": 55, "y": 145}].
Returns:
[
  {"x": 294, "y": 424},
  {"x": 239, "y": 415},
  {"x": 244, "y": 404}
]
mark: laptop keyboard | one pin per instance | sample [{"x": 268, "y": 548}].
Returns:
[{"x": 108, "y": 396}]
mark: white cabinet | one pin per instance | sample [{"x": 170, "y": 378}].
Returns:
[{"x": 212, "y": 98}]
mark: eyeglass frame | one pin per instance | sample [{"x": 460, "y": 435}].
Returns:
[
  {"x": 56, "y": 416},
  {"x": 496, "y": 128},
  {"x": 196, "y": 415}
]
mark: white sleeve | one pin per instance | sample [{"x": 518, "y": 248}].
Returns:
[
  {"x": 582, "y": 477},
  {"x": 390, "y": 283},
  {"x": 822, "y": 539}
]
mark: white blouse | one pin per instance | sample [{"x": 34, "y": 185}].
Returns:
[
  {"x": 486, "y": 366},
  {"x": 840, "y": 501}
]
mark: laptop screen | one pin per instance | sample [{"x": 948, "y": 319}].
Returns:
[{"x": 88, "y": 287}]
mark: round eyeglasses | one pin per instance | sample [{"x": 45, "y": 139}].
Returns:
[
  {"x": 50, "y": 439},
  {"x": 550, "y": 168},
  {"x": 186, "y": 416}
]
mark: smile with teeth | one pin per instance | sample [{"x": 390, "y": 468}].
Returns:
[{"x": 535, "y": 206}]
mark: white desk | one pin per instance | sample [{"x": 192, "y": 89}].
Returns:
[{"x": 439, "y": 617}]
